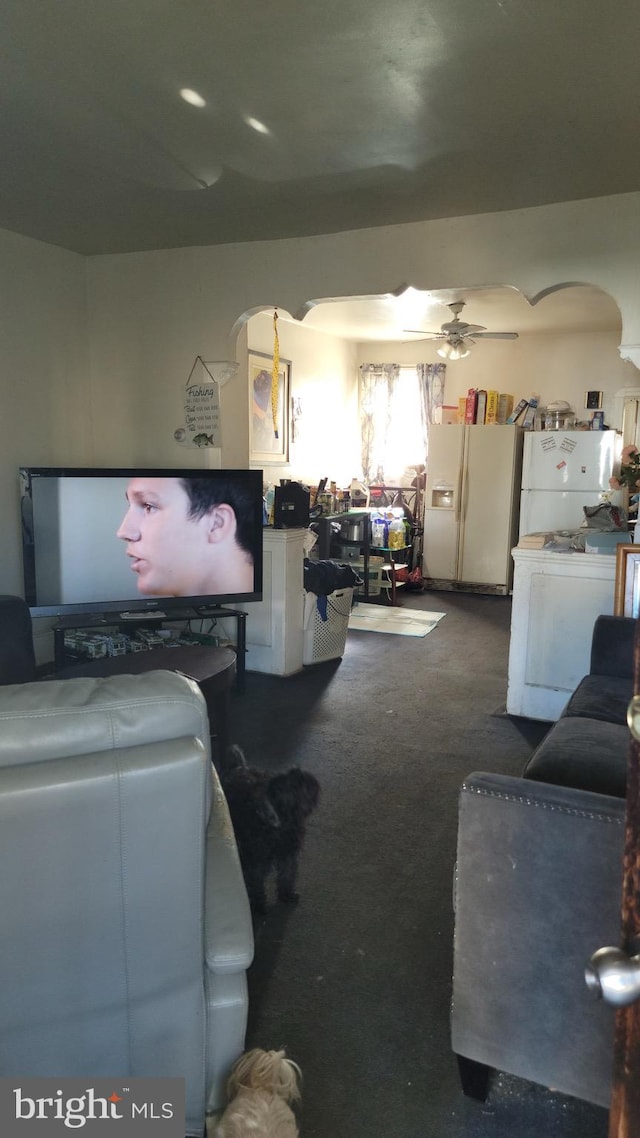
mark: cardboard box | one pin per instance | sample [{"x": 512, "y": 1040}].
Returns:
[
  {"x": 471, "y": 405},
  {"x": 505, "y": 407},
  {"x": 518, "y": 412},
  {"x": 449, "y": 415},
  {"x": 492, "y": 407}
]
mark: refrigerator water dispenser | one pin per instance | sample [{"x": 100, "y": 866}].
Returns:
[{"x": 442, "y": 497}]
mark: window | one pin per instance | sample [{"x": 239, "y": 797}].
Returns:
[{"x": 395, "y": 407}]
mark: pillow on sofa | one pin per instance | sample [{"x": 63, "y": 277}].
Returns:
[
  {"x": 601, "y": 697},
  {"x": 587, "y": 754}
]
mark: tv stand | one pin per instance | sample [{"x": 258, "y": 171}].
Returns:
[{"x": 126, "y": 621}]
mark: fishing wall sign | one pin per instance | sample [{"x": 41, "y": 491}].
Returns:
[{"x": 201, "y": 403}]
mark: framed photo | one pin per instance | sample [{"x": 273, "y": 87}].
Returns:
[
  {"x": 265, "y": 446},
  {"x": 593, "y": 400},
  {"x": 626, "y": 598}
]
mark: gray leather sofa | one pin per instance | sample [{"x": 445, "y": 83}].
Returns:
[
  {"x": 537, "y": 891},
  {"x": 126, "y": 925}
]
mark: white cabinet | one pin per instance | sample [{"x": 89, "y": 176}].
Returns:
[
  {"x": 556, "y": 599},
  {"x": 275, "y": 626},
  {"x": 471, "y": 506}
]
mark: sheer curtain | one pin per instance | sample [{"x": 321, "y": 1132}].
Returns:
[
  {"x": 377, "y": 387},
  {"x": 397, "y": 404},
  {"x": 431, "y": 386}
]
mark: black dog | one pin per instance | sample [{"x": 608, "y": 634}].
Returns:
[{"x": 268, "y": 812}]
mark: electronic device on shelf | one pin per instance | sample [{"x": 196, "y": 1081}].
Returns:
[
  {"x": 291, "y": 505},
  {"x": 84, "y": 550}
]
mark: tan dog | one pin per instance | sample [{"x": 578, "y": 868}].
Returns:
[{"x": 261, "y": 1087}]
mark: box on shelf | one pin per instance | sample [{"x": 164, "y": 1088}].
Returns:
[
  {"x": 118, "y": 644},
  {"x": 87, "y": 645},
  {"x": 149, "y": 638}
]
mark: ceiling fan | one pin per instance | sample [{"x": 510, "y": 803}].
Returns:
[{"x": 458, "y": 336}]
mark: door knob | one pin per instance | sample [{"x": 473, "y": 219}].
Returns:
[{"x": 614, "y": 976}]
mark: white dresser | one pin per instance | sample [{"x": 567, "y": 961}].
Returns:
[
  {"x": 556, "y": 599},
  {"x": 275, "y": 625}
]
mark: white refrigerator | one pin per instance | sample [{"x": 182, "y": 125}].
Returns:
[
  {"x": 562, "y": 471},
  {"x": 471, "y": 506}
]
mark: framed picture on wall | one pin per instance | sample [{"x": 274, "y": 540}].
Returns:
[
  {"x": 268, "y": 444},
  {"x": 593, "y": 400},
  {"x": 626, "y": 601}
]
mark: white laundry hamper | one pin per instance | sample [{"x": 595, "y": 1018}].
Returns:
[{"x": 326, "y": 639}]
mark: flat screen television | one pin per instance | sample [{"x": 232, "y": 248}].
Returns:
[{"x": 139, "y": 541}]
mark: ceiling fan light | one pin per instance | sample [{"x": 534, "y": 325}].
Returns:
[{"x": 456, "y": 351}]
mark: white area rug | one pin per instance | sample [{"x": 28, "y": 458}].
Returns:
[{"x": 395, "y": 620}]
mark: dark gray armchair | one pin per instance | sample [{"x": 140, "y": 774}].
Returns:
[
  {"x": 17, "y": 659},
  {"x": 537, "y": 891}
]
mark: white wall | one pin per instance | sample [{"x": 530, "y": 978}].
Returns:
[
  {"x": 46, "y": 417},
  {"x": 151, "y": 314},
  {"x": 553, "y": 366}
]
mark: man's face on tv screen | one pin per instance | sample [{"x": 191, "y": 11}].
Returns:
[{"x": 166, "y": 547}]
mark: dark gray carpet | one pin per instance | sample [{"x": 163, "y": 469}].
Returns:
[{"x": 355, "y": 981}]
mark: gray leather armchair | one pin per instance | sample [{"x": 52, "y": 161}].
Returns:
[{"x": 126, "y": 926}]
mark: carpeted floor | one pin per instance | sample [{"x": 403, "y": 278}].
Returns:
[{"x": 355, "y": 981}]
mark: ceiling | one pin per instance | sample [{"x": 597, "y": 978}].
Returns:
[
  {"x": 579, "y": 308},
  {"x": 317, "y": 118}
]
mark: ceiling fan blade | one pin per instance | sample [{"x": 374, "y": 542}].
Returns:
[
  {"x": 496, "y": 335},
  {"x": 460, "y": 328},
  {"x": 421, "y": 332}
]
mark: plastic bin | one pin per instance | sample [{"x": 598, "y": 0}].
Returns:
[
  {"x": 375, "y": 574},
  {"x": 326, "y": 639}
]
